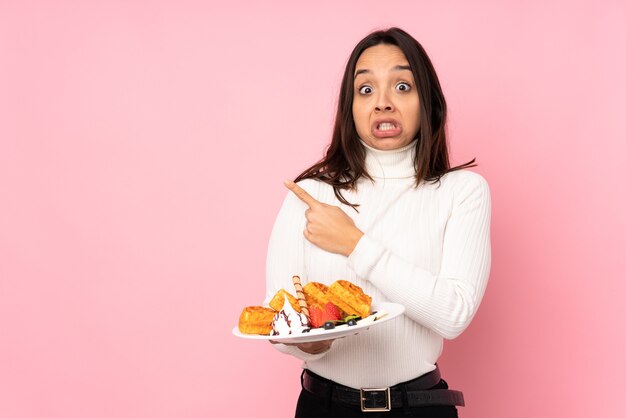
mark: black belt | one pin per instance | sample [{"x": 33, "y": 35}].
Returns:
[{"x": 415, "y": 392}]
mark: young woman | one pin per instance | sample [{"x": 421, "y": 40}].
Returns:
[{"x": 384, "y": 210}]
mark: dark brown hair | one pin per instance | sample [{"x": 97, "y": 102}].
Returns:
[{"x": 344, "y": 162}]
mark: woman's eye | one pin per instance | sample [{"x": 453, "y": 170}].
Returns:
[
  {"x": 403, "y": 87},
  {"x": 365, "y": 90}
]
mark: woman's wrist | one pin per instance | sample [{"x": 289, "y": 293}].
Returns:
[{"x": 352, "y": 241}]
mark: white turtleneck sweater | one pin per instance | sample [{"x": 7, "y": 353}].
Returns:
[{"x": 427, "y": 248}]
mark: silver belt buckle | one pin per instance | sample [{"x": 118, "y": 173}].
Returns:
[{"x": 365, "y": 408}]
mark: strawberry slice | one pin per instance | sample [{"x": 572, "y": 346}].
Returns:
[
  {"x": 316, "y": 315},
  {"x": 320, "y": 315},
  {"x": 332, "y": 312}
]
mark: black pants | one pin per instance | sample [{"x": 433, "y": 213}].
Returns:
[{"x": 313, "y": 406}]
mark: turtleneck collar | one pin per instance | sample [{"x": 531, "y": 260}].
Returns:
[{"x": 391, "y": 164}]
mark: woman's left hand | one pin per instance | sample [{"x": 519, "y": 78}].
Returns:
[
  {"x": 317, "y": 347},
  {"x": 327, "y": 226}
]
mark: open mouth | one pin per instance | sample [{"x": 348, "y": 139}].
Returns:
[{"x": 386, "y": 128}]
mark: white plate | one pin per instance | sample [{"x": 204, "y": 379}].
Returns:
[{"x": 390, "y": 310}]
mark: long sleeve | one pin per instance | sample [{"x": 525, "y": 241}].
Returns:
[
  {"x": 447, "y": 301},
  {"x": 285, "y": 258}
]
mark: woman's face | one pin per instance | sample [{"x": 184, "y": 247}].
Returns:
[{"x": 385, "y": 105}]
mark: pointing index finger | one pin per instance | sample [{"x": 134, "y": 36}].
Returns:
[{"x": 301, "y": 193}]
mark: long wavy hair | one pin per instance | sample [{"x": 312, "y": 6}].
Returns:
[{"x": 344, "y": 162}]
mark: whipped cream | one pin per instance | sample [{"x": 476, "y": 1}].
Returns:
[{"x": 289, "y": 321}]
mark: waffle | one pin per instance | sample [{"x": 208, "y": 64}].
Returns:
[
  {"x": 350, "y": 298},
  {"x": 316, "y": 293},
  {"x": 278, "y": 301},
  {"x": 256, "y": 320}
]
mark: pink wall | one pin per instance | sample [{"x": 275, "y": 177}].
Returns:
[{"x": 142, "y": 149}]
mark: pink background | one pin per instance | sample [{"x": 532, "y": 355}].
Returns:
[{"x": 142, "y": 149}]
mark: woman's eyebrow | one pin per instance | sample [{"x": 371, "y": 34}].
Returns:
[
  {"x": 396, "y": 68},
  {"x": 401, "y": 67}
]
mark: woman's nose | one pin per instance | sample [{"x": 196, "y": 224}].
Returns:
[{"x": 383, "y": 103}]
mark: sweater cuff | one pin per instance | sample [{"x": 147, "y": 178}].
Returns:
[{"x": 365, "y": 256}]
